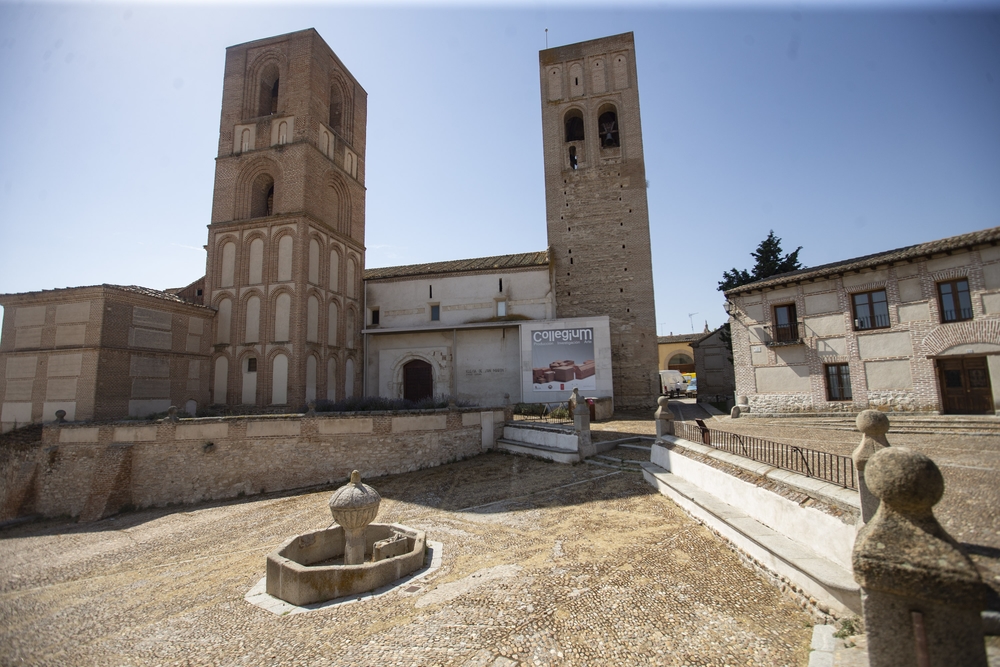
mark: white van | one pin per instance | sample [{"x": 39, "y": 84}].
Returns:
[{"x": 672, "y": 383}]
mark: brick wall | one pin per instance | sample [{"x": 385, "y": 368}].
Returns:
[
  {"x": 95, "y": 470},
  {"x": 917, "y": 333},
  {"x": 319, "y": 195},
  {"x": 598, "y": 222}
]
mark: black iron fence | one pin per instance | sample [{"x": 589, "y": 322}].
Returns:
[
  {"x": 782, "y": 334},
  {"x": 828, "y": 467}
]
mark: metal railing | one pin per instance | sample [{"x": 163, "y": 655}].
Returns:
[
  {"x": 783, "y": 334},
  {"x": 832, "y": 468}
]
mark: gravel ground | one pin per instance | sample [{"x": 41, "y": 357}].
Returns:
[{"x": 544, "y": 564}]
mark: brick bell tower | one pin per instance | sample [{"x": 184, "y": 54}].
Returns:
[
  {"x": 595, "y": 195},
  {"x": 286, "y": 242}
]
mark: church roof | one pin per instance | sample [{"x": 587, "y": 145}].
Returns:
[
  {"x": 991, "y": 236},
  {"x": 522, "y": 260}
]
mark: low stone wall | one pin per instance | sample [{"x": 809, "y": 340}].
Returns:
[{"x": 91, "y": 471}]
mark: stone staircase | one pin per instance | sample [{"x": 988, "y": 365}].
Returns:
[
  {"x": 619, "y": 462},
  {"x": 982, "y": 425}
]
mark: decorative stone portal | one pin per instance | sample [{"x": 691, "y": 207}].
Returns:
[{"x": 351, "y": 557}]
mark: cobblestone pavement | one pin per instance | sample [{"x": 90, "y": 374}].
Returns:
[
  {"x": 970, "y": 465},
  {"x": 544, "y": 564}
]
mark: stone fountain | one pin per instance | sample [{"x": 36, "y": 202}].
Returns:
[{"x": 350, "y": 557}]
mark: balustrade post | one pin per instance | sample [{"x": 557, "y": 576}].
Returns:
[
  {"x": 921, "y": 594},
  {"x": 873, "y": 426},
  {"x": 664, "y": 418}
]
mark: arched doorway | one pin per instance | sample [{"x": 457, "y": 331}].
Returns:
[{"x": 418, "y": 380}]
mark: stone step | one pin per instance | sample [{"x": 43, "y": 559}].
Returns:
[
  {"x": 548, "y": 437},
  {"x": 557, "y": 454},
  {"x": 817, "y": 576},
  {"x": 624, "y": 464}
]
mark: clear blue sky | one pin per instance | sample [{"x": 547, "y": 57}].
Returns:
[{"x": 848, "y": 130}]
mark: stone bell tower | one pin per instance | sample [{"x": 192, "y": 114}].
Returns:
[
  {"x": 595, "y": 194},
  {"x": 286, "y": 242}
]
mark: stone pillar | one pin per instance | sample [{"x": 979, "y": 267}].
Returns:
[
  {"x": 581, "y": 424},
  {"x": 921, "y": 594},
  {"x": 664, "y": 418},
  {"x": 873, "y": 426}
]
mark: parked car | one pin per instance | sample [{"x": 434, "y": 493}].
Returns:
[
  {"x": 672, "y": 383},
  {"x": 692, "y": 388}
]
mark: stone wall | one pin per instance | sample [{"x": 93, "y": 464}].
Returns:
[
  {"x": 90, "y": 471},
  {"x": 893, "y": 367}
]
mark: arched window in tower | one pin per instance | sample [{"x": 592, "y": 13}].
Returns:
[
  {"x": 285, "y": 258},
  {"x": 332, "y": 324},
  {"x": 314, "y": 261},
  {"x": 574, "y": 125},
  {"x": 331, "y": 379},
  {"x": 336, "y": 109},
  {"x": 245, "y": 140},
  {"x": 228, "y": 264},
  {"x": 312, "y": 319},
  {"x": 283, "y": 132},
  {"x": 607, "y": 124},
  {"x": 256, "y": 270},
  {"x": 221, "y": 384},
  {"x": 572, "y": 157},
  {"x": 252, "y": 330},
  {"x": 223, "y": 322},
  {"x": 311, "y": 364},
  {"x": 262, "y": 197},
  {"x": 267, "y": 101},
  {"x": 282, "y": 316},
  {"x": 279, "y": 380}
]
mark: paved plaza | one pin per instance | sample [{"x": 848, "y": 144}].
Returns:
[{"x": 543, "y": 564}]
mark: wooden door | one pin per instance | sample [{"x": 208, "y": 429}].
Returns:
[
  {"x": 965, "y": 386},
  {"x": 418, "y": 380}
]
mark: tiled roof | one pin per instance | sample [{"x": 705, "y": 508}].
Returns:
[
  {"x": 136, "y": 289},
  {"x": 682, "y": 338},
  {"x": 518, "y": 261},
  {"x": 991, "y": 236}
]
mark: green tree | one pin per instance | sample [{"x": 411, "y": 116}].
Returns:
[{"x": 770, "y": 262}]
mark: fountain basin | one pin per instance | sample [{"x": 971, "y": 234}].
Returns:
[{"x": 300, "y": 573}]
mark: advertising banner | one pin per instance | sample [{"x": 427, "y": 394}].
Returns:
[{"x": 562, "y": 359}]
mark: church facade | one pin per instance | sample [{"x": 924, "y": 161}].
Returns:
[{"x": 286, "y": 313}]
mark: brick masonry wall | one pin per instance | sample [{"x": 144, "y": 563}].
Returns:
[
  {"x": 92, "y": 471},
  {"x": 317, "y": 195},
  {"x": 929, "y": 337},
  {"x": 598, "y": 222}
]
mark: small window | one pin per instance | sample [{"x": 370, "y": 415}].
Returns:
[
  {"x": 374, "y": 317},
  {"x": 501, "y": 284},
  {"x": 430, "y": 291},
  {"x": 252, "y": 365},
  {"x": 954, "y": 299},
  {"x": 871, "y": 311},
  {"x": 572, "y": 158},
  {"x": 501, "y": 309},
  {"x": 435, "y": 313},
  {"x": 198, "y": 292},
  {"x": 786, "y": 325},
  {"x": 838, "y": 382}
]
